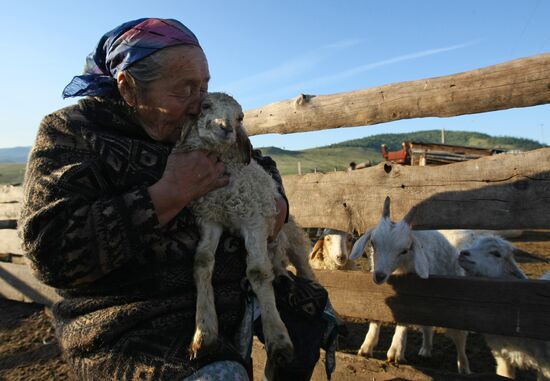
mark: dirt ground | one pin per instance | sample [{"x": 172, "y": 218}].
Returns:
[{"x": 28, "y": 350}]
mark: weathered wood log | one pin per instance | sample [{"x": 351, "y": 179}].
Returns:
[
  {"x": 520, "y": 307},
  {"x": 11, "y": 193},
  {"x": 510, "y": 308},
  {"x": 505, "y": 191},
  {"x": 518, "y": 83},
  {"x": 9, "y": 242},
  {"x": 18, "y": 283},
  {"x": 10, "y": 210}
]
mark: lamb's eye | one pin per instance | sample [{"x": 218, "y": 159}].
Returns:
[
  {"x": 495, "y": 253},
  {"x": 327, "y": 239}
]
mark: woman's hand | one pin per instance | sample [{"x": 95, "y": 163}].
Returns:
[
  {"x": 280, "y": 219},
  {"x": 187, "y": 176}
]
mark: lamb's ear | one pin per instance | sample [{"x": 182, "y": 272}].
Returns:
[
  {"x": 386, "y": 210},
  {"x": 421, "y": 264},
  {"x": 243, "y": 144},
  {"x": 359, "y": 246},
  {"x": 317, "y": 250},
  {"x": 409, "y": 216}
]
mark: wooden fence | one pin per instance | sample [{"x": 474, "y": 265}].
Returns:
[{"x": 498, "y": 192}]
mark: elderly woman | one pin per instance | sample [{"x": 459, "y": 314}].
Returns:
[{"x": 105, "y": 219}]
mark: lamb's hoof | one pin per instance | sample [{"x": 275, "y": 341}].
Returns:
[
  {"x": 365, "y": 352},
  {"x": 202, "y": 340},
  {"x": 280, "y": 352},
  {"x": 425, "y": 352},
  {"x": 395, "y": 357}
]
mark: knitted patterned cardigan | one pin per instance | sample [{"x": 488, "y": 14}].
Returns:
[{"x": 89, "y": 228}]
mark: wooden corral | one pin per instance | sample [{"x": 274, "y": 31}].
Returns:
[{"x": 499, "y": 192}]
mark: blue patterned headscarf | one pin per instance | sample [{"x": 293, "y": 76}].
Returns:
[{"x": 123, "y": 46}]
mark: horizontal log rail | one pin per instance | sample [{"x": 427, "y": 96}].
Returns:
[
  {"x": 518, "y": 83},
  {"x": 505, "y": 191},
  {"x": 510, "y": 308}
]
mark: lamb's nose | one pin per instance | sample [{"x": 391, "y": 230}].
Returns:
[
  {"x": 226, "y": 127},
  {"x": 465, "y": 253},
  {"x": 379, "y": 277}
]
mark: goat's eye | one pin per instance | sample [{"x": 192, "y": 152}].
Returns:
[
  {"x": 495, "y": 253},
  {"x": 240, "y": 118},
  {"x": 404, "y": 252},
  {"x": 206, "y": 106},
  {"x": 327, "y": 238}
]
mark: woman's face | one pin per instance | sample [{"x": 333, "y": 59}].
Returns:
[{"x": 168, "y": 102}]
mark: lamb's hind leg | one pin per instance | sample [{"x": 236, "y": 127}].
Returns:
[
  {"x": 396, "y": 353},
  {"x": 259, "y": 272},
  {"x": 459, "y": 338},
  {"x": 206, "y": 320}
]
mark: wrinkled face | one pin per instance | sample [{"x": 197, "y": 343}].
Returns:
[
  {"x": 338, "y": 245},
  {"x": 170, "y": 101},
  {"x": 389, "y": 244},
  {"x": 490, "y": 257},
  {"x": 219, "y": 119}
]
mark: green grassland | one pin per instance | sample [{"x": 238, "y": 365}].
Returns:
[
  {"x": 11, "y": 173},
  {"x": 338, "y": 156}
]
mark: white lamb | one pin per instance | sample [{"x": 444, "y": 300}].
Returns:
[
  {"x": 247, "y": 207},
  {"x": 332, "y": 251},
  {"x": 492, "y": 257},
  {"x": 397, "y": 249}
]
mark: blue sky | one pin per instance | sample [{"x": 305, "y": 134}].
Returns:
[{"x": 265, "y": 51}]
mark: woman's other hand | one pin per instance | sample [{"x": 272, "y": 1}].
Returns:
[{"x": 187, "y": 177}]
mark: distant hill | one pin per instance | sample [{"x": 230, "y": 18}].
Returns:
[
  {"x": 338, "y": 156},
  {"x": 14, "y": 155},
  {"x": 323, "y": 159}
]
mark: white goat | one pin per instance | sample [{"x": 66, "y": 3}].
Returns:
[
  {"x": 397, "y": 249},
  {"x": 246, "y": 206},
  {"x": 492, "y": 257},
  {"x": 332, "y": 251}
]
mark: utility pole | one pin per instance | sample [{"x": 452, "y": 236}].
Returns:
[{"x": 442, "y": 136}]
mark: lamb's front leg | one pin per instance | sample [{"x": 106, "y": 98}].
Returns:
[
  {"x": 259, "y": 272},
  {"x": 371, "y": 340},
  {"x": 206, "y": 320}
]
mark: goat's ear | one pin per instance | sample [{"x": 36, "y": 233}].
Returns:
[
  {"x": 421, "y": 264},
  {"x": 244, "y": 145},
  {"x": 386, "y": 210},
  {"x": 360, "y": 244},
  {"x": 317, "y": 250},
  {"x": 409, "y": 216}
]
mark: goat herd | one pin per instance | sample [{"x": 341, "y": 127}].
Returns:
[{"x": 394, "y": 248}]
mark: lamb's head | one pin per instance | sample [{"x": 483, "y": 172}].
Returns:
[
  {"x": 490, "y": 256},
  {"x": 391, "y": 244},
  {"x": 219, "y": 119},
  {"x": 334, "y": 244},
  {"x": 219, "y": 126}
]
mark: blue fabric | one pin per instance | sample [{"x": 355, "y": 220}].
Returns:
[
  {"x": 220, "y": 371},
  {"x": 121, "y": 47}
]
